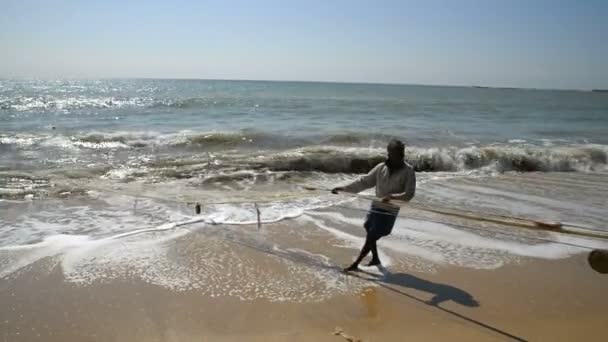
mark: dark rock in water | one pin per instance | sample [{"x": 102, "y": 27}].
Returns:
[{"x": 598, "y": 260}]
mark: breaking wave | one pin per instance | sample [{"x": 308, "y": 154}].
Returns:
[
  {"x": 114, "y": 140},
  {"x": 493, "y": 158},
  {"x": 258, "y": 150}
]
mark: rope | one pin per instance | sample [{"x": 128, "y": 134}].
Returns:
[
  {"x": 175, "y": 201},
  {"x": 474, "y": 228},
  {"x": 389, "y": 206},
  {"x": 378, "y": 204},
  {"x": 500, "y": 219}
]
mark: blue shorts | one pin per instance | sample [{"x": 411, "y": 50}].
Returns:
[{"x": 380, "y": 221}]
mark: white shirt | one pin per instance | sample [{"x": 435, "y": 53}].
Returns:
[{"x": 400, "y": 184}]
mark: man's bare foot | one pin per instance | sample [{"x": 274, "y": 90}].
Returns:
[
  {"x": 352, "y": 268},
  {"x": 374, "y": 262}
]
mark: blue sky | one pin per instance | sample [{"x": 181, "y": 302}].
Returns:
[{"x": 547, "y": 44}]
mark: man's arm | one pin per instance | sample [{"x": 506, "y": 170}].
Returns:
[
  {"x": 360, "y": 184},
  {"x": 410, "y": 188}
]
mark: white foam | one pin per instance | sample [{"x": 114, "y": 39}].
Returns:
[
  {"x": 122, "y": 173},
  {"x": 125, "y": 245},
  {"x": 58, "y": 141},
  {"x": 211, "y": 266},
  {"x": 20, "y": 140},
  {"x": 30, "y": 103},
  {"x": 352, "y": 241},
  {"x": 100, "y": 145},
  {"x": 444, "y": 244},
  {"x": 448, "y": 237},
  {"x": 215, "y": 269}
]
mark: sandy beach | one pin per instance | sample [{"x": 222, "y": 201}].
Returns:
[
  {"x": 557, "y": 300},
  {"x": 187, "y": 171},
  {"x": 100, "y": 239}
]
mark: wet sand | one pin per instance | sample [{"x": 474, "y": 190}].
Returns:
[
  {"x": 557, "y": 300},
  {"x": 443, "y": 280}
]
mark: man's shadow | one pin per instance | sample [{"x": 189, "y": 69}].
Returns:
[{"x": 441, "y": 292}]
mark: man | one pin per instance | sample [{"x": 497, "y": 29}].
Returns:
[{"x": 394, "y": 179}]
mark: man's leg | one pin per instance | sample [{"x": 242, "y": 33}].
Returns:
[
  {"x": 375, "y": 257},
  {"x": 370, "y": 244}
]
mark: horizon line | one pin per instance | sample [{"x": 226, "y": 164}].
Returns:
[{"x": 479, "y": 86}]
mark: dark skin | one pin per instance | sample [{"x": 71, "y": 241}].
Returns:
[{"x": 395, "y": 160}]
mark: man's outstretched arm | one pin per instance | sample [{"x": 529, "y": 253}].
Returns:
[{"x": 365, "y": 182}]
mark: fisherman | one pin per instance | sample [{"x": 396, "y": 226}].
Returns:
[{"x": 394, "y": 179}]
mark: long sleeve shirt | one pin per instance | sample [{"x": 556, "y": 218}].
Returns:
[{"x": 400, "y": 184}]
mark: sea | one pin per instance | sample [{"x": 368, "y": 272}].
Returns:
[{"x": 101, "y": 175}]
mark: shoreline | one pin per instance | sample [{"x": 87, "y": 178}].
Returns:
[
  {"x": 534, "y": 299},
  {"x": 449, "y": 278}
]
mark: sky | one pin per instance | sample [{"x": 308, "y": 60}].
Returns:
[{"x": 534, "y": 43}]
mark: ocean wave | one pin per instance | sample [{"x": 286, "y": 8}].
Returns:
[
  {"x": 180, "y": 139},
  {"x": 323, "y": 159},
  {"x": 354, "y": 139},
  {"x": 47, "y": 103},
  {"x": 214, "y": 139},
  {"x": 21, "y": 140},
  {"x": 94, "y": 140},
  {"x": 490, "y": 158},
  {"x": 20, "y": 185},
  {"x": 528, "y": 158},
  {"x": 67, "y": 143},
  {"x": 194, "y": 102},
  {"x": 57, "y": 103},
  {"x": 277, "y": 153},
  {"x": 183, "y": 139},
  {"x": 118, "y": 139},
  {"x": 344, "y": 139}
]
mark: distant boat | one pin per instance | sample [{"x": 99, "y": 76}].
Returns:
[{"x": 502, "y": 88}]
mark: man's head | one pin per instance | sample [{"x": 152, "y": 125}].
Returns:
[{"x": 396, "y": 150}]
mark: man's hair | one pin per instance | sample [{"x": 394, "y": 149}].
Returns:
[{"x": 395, "y": 144}]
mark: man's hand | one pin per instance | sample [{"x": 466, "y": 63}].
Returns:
[
  {"x": 386, "y": 199},
  {"x": 336, "y": 190}
]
